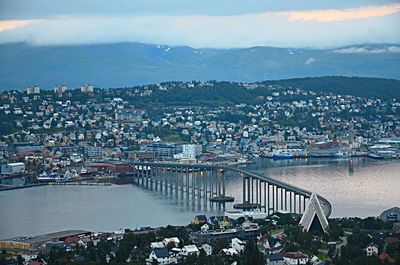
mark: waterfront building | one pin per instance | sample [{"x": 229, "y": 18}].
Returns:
[
  {"x": 13, "y": 168},
  {"x": 313, "y": 217},
  {"x": 112, "y": 166}
]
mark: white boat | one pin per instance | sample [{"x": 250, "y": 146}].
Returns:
[{"x": 289, "y": 153}]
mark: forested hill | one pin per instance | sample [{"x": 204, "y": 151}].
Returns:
[
  {"x": 214, "y": 92},
  {"x": 357, "y": 86}
]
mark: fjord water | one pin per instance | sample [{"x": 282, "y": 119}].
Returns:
[{"x": 357, "y": 187}]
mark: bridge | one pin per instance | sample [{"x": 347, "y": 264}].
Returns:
[{"x": 205, "y": 181}]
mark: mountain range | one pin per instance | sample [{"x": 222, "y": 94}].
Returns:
[{"x": 128, "y": 64}]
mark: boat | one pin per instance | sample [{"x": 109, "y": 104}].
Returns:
[
  {"x": 374, "y": 156},
  {"x": 343, "y": 154},
  {"x": 45, "y": 178},
  {"x": 289, "y": 154},
  {"x": 282, "y": 154}
]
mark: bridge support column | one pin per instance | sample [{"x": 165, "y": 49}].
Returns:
[
  {"x": 265, "y": 197},
  {"x": 257, "y": 191},
  {"x": 244, "y": 190},
  {"x": 273, "y": 198},
  {"x": 286, "y": 200}
]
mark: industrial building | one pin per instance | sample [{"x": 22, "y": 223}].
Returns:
[{"x": 13, "y": 168}]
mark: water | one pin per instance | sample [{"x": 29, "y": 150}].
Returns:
[{"x": 362, "y": 188}]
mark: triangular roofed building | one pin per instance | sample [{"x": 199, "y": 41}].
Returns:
[{"x": 313, "y": 217}]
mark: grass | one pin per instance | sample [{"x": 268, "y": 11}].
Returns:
[{"x": 175, "y": 138}]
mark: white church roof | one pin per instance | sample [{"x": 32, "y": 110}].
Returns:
[{"x": 313, "y": 210}]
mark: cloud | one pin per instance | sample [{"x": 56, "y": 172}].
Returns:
[
  {"x": 342, "y": 15},
  {"x": 310, "y": 61},
  {"x": 365, "y": 50},
  {"x": 201, "y": 31},
  {"x": 394, "y": 49},
  {"x": 13, "y": 24}
]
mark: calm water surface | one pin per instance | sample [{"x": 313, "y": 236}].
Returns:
[{"x": 362, "y": 188}]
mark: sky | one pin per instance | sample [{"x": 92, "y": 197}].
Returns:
[{"x": 202, "y": 23}]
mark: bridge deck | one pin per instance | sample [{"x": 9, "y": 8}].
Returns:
[{"x": 325, "y": 203}]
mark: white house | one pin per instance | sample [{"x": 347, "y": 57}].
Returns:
[
  {"x": 161, "y": 255},
  {"x": 270, "y": 245},
  {"x": 207, "y": 248},
  {"x": 295, "y": 258},
  {"x": 172, "y": 241},
  {"x": 372, "y": 250},
  {"x": 229, "y": 252},
  {"x": 205, "y": 228},
  {"x": 238, "y": 245},
  {"x": 154, "y": 245},
  {"x": 189, "y": 250}
]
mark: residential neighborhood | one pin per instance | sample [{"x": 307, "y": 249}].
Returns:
[{"x": 63, "y": 133}]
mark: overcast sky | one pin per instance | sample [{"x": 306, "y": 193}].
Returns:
[{"x": 202, "y": 23}]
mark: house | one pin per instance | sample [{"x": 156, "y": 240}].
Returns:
[
  {"x": 72, "y": 240},
  {"x": 372, "y": 250},
  {"x": 171, "y": 241},
  {"x": 295, "y": 258},
  {"x": 207, "y": 248},
  {"x": 159, "y": 255},
  {"x": 269, "y": 245},
  {"x": 189, "y": 250},
  {"x": 276, "y": 259},
  {"x": 205, "y": 228},
  {"x": 154, "y": 245},
  {"x": 29, "y": 256},
  {"x": 224, "y": 224},
  {"x": 229, "y": 252},
  {"x": 238, "y": 245},
  {"x": 200, "y": 219}
]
